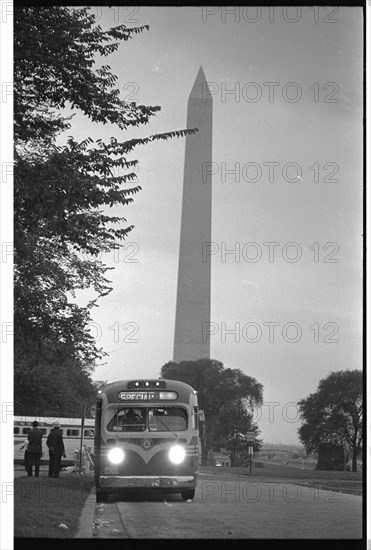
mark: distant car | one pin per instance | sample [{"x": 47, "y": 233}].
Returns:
[{"x": 218, "y": 464}]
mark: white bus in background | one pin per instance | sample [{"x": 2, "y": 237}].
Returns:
[{"x": 70, "y": 428}]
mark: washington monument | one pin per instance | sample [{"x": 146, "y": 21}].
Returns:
[{"x": 194, "y": 274}]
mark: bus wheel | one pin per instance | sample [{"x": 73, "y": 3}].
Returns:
[{"x": 188, "y": 495}]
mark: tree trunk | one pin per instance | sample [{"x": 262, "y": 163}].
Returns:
[
  {"x": 232, "y": 457},
  {"x": 204, "y": 445},
  {"x": 354, "y": 458}
]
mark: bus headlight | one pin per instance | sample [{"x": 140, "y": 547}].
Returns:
[
  {"x": 116, "y": 455},
  {"x": 177, "y": 454}
]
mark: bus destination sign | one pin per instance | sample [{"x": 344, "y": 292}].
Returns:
[{"x": 137, "y": 396}]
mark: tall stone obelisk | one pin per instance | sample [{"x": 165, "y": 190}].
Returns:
[{"x": 194, "y": 274}]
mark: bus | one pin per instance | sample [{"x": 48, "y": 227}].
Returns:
[
  {"x": 70, "y": 428},
  {"x": 146, "y": 438}
]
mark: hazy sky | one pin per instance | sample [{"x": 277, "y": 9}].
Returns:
[{"x": 293, "y": 132}]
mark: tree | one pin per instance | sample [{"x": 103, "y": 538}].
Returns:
[
  {"x": 50, "y": 384},
  {"x": 216, "y": 387},
  {"x": 63, "y": 194},
  {"x": 229, "y": 427},
  {"x": 332, "y": 456},
  {"x": 333, "y": 415}
]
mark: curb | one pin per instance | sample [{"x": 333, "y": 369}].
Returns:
[{"x": 86, "y": 519}]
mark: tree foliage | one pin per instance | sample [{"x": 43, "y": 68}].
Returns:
[
  {"x": 218, "y": 388},
  {"x": 50, "y": 383},
  {"x": 333, "y": 415},
  {"x": 228, "y": 430},
  {"x": 63, "y": 194},
  {"x": 55, "y": 52}
]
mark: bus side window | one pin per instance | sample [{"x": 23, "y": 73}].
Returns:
[
  {"x": 16, "y": 431},
  {"x": 25, "y": 430},
  {"x": 195, "y": 418},
  {"x": 71, "y": 433}
]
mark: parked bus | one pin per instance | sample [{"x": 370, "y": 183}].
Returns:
[
  {"x": 70, "y": 428},
  {"x": 146, "y": 437}
]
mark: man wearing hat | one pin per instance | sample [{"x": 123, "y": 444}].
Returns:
[
  {"x": 34, "y": 449},
  {"x": 56, "y": 450}
]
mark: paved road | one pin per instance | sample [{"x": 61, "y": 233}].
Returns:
[{"x": 226, "y": 507}]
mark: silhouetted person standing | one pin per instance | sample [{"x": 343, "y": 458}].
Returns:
[
  {"x": 34, "y": 449},
  {"x": 56, "y": 450}
]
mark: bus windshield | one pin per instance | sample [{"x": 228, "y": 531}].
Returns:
[
  {"x": 128, "y": 420},
  {"x": 167, "y": 419},
  {"x": 160, "y": 419}
]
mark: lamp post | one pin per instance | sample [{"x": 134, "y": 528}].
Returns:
[{"x": 82, "y": 435}]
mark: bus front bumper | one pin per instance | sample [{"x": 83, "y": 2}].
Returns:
[{"x": 161, "y": 482}]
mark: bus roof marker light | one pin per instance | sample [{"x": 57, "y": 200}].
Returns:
[
  {"x": 136, "y": 384},
  {"x": 147, "y": 384}
]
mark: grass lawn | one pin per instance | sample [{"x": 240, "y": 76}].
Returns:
[
  {"x": 42, "y": 503},
  {"x": 349, "y": 482}
]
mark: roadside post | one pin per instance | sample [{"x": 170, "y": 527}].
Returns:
[
  {"x": 250, "y": 439},
  {"x": 82, "y": 435}
]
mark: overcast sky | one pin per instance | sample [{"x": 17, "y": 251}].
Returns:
[{"x": 296, "y": 146}]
